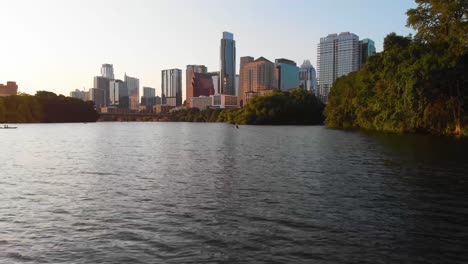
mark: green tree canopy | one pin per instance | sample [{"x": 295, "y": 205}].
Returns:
[
  {"x": 45, "y": 107},
  {"x": 415, "y": 84},
  {"x": 443, "y": 21}
]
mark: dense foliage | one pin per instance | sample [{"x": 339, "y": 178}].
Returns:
[
  {"x": 45, "y": 107},
  {"x": 297, "y": 107},
  {"x": 415, "y": 84}
]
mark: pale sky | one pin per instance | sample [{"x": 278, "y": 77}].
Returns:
[{"x": 59, "y": 45}]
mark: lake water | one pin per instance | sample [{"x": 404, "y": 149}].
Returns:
[{"x": 210, "y": 193}]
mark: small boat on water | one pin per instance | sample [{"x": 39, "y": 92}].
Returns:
[{"x": 8, "y": 127}]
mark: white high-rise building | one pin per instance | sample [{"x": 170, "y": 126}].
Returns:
[
  {"x": 107, "y": 71},
  {"x": 171, "y": 87},
  {"x": 338, "y": 55}
]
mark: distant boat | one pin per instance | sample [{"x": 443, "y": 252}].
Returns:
[{"x": 8, "y": 127}]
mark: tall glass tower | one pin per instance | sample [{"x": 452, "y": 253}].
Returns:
[
  {"x": 133, "y": 86},
  {"x": 107, "y": 71},
  {"x": 227, "y": 80},
  {"x": 367, "y": 50},
  {"x": 103, "y": 84}
]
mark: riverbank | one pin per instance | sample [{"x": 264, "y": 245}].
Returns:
[{"x": 45, "y": 107}]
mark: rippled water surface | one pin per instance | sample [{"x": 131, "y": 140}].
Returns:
[{"x": 210, "y": 193}]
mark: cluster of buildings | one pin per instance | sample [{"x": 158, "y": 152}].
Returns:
[
  {"x": 11, "y": 88},
  {"x": 226, "y": 89},
  {"x": 338, "y": 55},
  {"x": 111, "y": 94}
]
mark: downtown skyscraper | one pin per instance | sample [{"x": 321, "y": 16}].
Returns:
[
  {"x": 118, "y": 94},
  {"x": 133, "y": 86},
  {"x": 367, "y": 50},
  {"x": 337, "y": 56},
  {"x": 107, "y": 71},
  {"x": 101, "y": 82},
  {"x": 171, "y": 87},
  {"x": 228, "y": 64},
  {"x": 287, "y": 74},
  {"x": 189, "y": 80},
  {"x": 256, "y": 76}
]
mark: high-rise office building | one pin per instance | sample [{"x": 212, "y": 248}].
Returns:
[
  {"x": 149, "y": 97},
  {"x": 150, "y": 101},
  {"x": 308, "y": 77},
  {"x": 215, "y": 79},
  {"x": 119, "y": 94},
  {"x": 243, "y": 61},
  {"x": 11, "y": 88},
  {"x": 202, "y": 84},
  {"x": 228, "y": 64},
  {"x": 287, "y": 74},
  {"x": 237, "y": 84},
  {"x": 338, "y": 55},
  {"x": 367, "y": 50},
  {"x": 189, "y": 80},
  {"x": 103, "y": 84},
  {"x": 255, "y": 76},
  {"x": 133, "y": 86},
  {"x": 171, "y": 87},
  {"x": 97, "y": 96},
  {"x": 149, "y": 92},
  {"x": 107, "y": 71}
]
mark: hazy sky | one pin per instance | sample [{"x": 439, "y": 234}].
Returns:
[{"x": 59, "y": 45}]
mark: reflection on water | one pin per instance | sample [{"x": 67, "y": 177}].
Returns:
[{"x": 191, "y": 193}]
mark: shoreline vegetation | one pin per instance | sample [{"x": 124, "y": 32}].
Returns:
[
  {"x": 46, "y": 107},
  {"x": 296, "y": 107},
  {"x": 417, "y": 84}
]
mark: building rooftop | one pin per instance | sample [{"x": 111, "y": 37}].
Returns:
[
  {"x": 285, "y": 61},
  {"x": 261, "y": 59},
  {"x": 228, "y": 35}
]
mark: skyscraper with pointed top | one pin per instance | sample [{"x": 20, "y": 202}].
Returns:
[{"x": 227, "y": 80}]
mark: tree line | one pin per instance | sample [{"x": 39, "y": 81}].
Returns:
[
  {"x": 296, "y": 107},
  {"x": 417, "y": 84},
  {"x": 45, "y": 107}
]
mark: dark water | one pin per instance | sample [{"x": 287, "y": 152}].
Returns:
[{"x": 209, "y": 193}]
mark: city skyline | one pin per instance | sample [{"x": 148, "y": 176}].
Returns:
[{"x": 143, "y": 51}]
